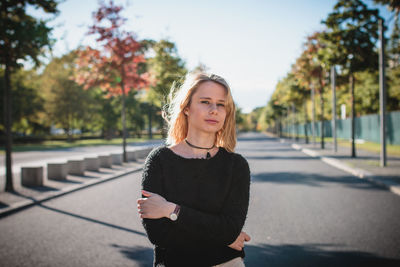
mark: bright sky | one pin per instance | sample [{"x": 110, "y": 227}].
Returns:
[{"x": 251, "y": 43}]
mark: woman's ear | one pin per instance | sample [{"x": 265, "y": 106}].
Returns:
[{"x": 186, "y": 111}]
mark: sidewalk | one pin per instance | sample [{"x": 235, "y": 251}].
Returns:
[
  {"x": 364, "y": 166},
  {"x": 24, "y": 197}
]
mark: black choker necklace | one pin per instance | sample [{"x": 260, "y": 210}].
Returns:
[{"x": 206, "y": 148}]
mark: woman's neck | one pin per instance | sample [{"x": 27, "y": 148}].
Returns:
[{"x": 205, "y": 140}]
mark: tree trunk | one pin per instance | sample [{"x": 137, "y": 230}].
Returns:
[
  {"x": 8, "y": 124},
  {"x": 123, "y": 119},
  {"x": 305, "y": 121},
  {"x": 321, "y": 99},
  {"x": 150, "y": 121},
  {"x": 353, "y": 144},
  {"x": 313, "y": 113}
]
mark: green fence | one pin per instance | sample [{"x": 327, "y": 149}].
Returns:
[{"x": 366, "y": 128}]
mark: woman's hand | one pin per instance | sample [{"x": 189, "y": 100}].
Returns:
[
  {"x": 154, "y": 206},
  {"x": 239, "y": 242}
]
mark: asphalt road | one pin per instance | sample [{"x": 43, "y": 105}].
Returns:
[{"x": 302, "y": 212}]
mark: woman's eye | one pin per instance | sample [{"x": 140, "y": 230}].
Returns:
[
  {"x": 205, "y": 102},
  {"x": 221, "y": 105}
]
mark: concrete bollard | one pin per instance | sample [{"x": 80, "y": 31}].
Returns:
[
  {"x": 92, "y": 164},
  {"x": 132, "y": 155},
  {"x": 144, "y": 152},
  {"x": 116, "y": 158},
  {"x": 76, "y": 167},
  {"x": 32, "y": 176},
  {"x": 105, "y": 161},
  {"x": 57, "y": 171}
]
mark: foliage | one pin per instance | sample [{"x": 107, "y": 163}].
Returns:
[
  {"x": 114, "y": 68},
  {"x": 27, "y": 102},
  {"x": 23, "y": 36},
  {"x": 166, "y": 67},
  {"x": 67, "y": 105}
]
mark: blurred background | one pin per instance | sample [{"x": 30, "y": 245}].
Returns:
[{"x": 79, "y": 73}]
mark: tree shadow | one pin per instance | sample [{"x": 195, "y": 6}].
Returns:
[
  {"x": 92, "y": 220},
  {"x": 316, "y": 180},
  {"x": 311, "y": 255},
  {"x": 143, "y": 256},
  {"x": 279, "y": 158},
  {"x": 256, "y": 138}
]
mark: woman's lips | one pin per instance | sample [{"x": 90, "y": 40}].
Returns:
[{"x": 212, "y": 121}]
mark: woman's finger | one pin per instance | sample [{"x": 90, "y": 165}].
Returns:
[
  {"x": 141, "y": 200},
  {"x": 247, "y": 237},
  {"x": 147, "y": 193}
]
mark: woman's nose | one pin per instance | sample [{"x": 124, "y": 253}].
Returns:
[{"x": 213, "y": 108}]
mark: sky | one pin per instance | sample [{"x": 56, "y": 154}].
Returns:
[{"x": 251, "y": 43}]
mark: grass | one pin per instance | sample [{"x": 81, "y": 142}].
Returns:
[{"x": 52, "y": 145}]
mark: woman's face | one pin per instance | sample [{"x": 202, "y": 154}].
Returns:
[{"x": 206, "y": 112}]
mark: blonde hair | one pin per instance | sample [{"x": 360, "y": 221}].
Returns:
[{"x": 180, "y": 97}]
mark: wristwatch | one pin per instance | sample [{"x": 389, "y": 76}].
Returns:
[{"x": 174, "y": 215}]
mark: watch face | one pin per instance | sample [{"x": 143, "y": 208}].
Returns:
[{"x": 173, "y": 216}]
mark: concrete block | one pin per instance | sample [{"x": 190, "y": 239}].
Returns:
[
  {"x": 132, "y": 155},
  {"x": 143, "y": 152},
  {"x": 116, "y": 158},
  {"x": 57, "y": 171},
  {"x": 76, "y": 167},
  {"x": 105, "y": 161},
  {"x": 92, "y": 164},
  {"x": 32, "y": 176}
]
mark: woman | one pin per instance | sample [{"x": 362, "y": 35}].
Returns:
[{"x": 196, "y": 190}]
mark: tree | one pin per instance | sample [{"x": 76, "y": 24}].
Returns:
[
  {"x": 28, "y": 105},
  {"x": 350, "y": 42},
  {"x": 115, "y": 67},
  {"x": 167, "y": 70},
  {"x": 22, "y": 37},
  {"x": 67, "y": 104},
  {"x": 166, "y": 67}
]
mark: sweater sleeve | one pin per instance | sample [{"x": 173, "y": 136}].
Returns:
[
  {"x": 225, "y": 227},
  {"x": 157, "y": 229}
]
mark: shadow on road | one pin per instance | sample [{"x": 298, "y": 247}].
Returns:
[
  {"x": 92, "y": 220},
  {"x": 256, "y": 138},
  {"x": 43, "y": 188},
  {"x": 313, "y": 180},
  {"x": 141, "y": 255},
  {"x": 279, "y": 158},
  {"x": 3, "y": 205},
  {"x": 311, "y": 255}
]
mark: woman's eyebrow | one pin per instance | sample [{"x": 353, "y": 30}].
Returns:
[{"x": 209, "y": 98}]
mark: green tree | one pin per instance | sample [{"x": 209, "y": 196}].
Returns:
[
  {"x": 67, "y": 104},
  {"x": 28, "y": 104},
  {"x": 22, "y": 37},
  {"x": 167, "y": 69},
  {"x": 350, "y": 42}
]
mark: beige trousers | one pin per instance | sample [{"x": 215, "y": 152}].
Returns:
[{"x": 236, "y": 262}]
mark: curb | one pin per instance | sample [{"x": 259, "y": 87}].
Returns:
[
  {"x": 21, "y": 205},
  {"x": 359, "y": 173}
]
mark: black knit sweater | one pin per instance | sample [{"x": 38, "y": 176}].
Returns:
[{"x": 213, "y": 195}]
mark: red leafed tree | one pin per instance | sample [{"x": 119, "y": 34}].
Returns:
[{"x": 114, "y": 67}]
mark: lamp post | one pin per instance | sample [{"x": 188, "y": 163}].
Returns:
[{"x": 382, "y": 93}]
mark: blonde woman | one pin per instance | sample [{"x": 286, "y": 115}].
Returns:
[{"x": 196, "y": 189}]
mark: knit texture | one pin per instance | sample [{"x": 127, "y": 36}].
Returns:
[{"x": 214, "y": 197}]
